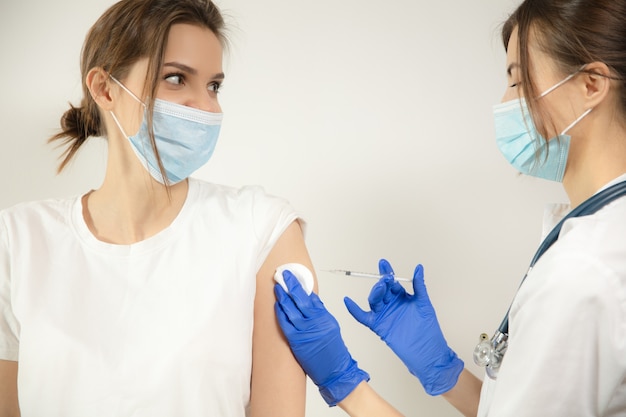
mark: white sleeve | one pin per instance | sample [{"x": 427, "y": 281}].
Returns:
[
  {"x": 270, "y": 218},
  {"x": 567, "y": 346},
  {"x": 9, "y": 328}
]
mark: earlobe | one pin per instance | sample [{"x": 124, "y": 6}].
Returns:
[{"x": 97, "y": 81}]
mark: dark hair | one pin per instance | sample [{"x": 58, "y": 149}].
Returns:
[
  {"x": 127, "y": 32},
  {"x": 573, "y": 33}
]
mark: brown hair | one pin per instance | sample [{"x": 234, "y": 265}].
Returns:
[
  {"x": 573, "y": 33},
  {"x": 127, "y": 32}
]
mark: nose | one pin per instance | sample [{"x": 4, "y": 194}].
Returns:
[
  {"x": 509, "y": 95},
  {"x": 206, "y": 101}
]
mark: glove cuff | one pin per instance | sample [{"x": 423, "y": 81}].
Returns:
[
  {"x": 446, "y": 376},
  {"x": 336, "y": 390}
]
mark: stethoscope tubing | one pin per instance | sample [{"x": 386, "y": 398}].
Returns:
[{"x": 586, "y": 208}]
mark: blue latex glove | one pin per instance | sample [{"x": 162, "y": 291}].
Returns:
[
  {"x": 408, "y": 324},
  {"x": 315, "y": 339}
]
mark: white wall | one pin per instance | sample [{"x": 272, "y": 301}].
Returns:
[{"x": 372, "y": 118}]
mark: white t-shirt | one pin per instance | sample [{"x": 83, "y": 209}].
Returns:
[
  {"x": 567, "y": 342},
  {"x": 162, "y": 327}
]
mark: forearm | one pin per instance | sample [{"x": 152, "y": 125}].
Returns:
[
  {"x": 365, "y": 402},
  {"x": 465, "y": 395}
]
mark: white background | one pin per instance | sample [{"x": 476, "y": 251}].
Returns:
[{"x": 373, "y": 118}]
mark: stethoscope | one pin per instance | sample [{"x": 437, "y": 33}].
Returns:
[{"x": 489, "y": 353}]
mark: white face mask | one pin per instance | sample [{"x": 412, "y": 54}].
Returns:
[
  {"x": 522, "y": 145},
  {"x": 185, "y": 138}
]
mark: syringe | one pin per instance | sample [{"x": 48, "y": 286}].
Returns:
[{"x": 363, "y": 274}]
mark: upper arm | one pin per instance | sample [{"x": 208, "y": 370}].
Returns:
[
  {"x": 278, "y": 382},
  {"x": 8, "y": 389}
]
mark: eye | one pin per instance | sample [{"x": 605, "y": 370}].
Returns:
[
  {"x": 175, "y": 79},
  {"x": 215, "y": 87},
  {"x": 516, "y": 84}
]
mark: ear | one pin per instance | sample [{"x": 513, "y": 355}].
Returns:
[
  {"x": 99, "y": 86},
  {"x": 597, "y": 83}
]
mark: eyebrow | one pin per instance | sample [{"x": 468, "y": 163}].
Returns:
[
  {"x": 509, "y": 69},
  {"x": 192, "y": 71}
]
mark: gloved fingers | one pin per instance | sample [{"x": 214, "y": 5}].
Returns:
[
  {"x": 283, "y": 320},
  {"x": 309, "y": 304},
  {"x": 389, "y": 296},
  {"x": 384, "y": 292},
  {"x": 281, "y": 294},
  {"x": 384, "y": 267},
  {"x": 297, "y": 293},
  {"x": 419, "y": 288},
  {"x": 361, "y": 316},
  {"x": 396, "y": 288},
  {"x": 378, "y": 293},
  {"x": 288, "y": 309}
]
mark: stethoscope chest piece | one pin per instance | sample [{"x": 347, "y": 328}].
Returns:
[
  {"x": 489, "y": 352},
  {"x": 482, "y": 352}
]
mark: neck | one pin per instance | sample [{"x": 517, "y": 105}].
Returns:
[
  {"x": 597, "y": 157},
  {"x": 126, "y": 212}
]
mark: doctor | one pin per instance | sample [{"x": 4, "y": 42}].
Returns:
[{"x": 566, "y": 354}]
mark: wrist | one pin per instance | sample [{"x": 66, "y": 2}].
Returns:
[
  {"x": 365, "y": 402},
  {"x": 339, "y": 388},
  {"x": 442, "y": 377}
]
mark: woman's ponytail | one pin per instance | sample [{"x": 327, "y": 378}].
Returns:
[{"x": 77, "y": 125}]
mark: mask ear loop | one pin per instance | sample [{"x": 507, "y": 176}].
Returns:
[
  {"x": 576, "y": 121},
  {"x": 127, "y": 90},
  {"x": 117, "y": 122},
  {"x": 560, "y": 83},
  {"x": 141, "y": 157},
  {"x": 119, "y": 125}
]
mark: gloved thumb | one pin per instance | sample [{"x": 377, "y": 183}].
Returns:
[{"x": 361, "y": 316}]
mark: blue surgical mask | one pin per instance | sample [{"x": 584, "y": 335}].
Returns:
[
  {"x": 522, "y": 145},
  {"x": 185, "y": 138}
]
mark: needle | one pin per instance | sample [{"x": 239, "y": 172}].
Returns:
[{"x": 362, "y": 274}]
